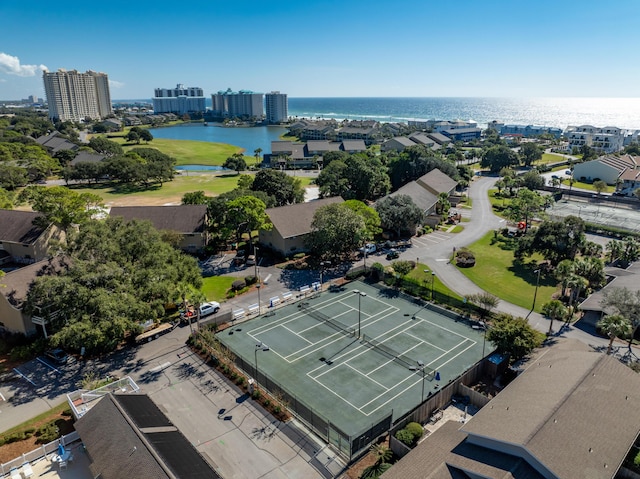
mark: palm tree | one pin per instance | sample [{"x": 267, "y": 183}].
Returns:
[
  {"x": 554, "y": 309},
  {"x": 614, "y": 248},
  {"x": 562, "y": 273},
  {"x": 615, "y": 326},
  {"x": 576, "y": 283},
  {"x": 256, "y": 153}
]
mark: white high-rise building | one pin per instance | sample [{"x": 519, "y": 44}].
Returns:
[
  {"x": 241, "y": 104},
  {"x": 276, "y": 107},
  {"x": 75, "y": 96},
  {"x": 179, "y": 100}
]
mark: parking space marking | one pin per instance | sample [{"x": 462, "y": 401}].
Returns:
[{"x": 49, "y": 365}]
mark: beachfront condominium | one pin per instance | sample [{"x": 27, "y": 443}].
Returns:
[
  {"x": 77, "y": 96},
  {"x": 276, "y": 107},
  {"x": 241, "y": 104},
  {"x": 179, "y": 100}
]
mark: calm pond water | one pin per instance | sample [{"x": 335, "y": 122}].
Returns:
[{"x": 249, "y": 138}]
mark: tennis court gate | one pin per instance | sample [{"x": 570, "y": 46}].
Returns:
[{"x": 349, "y": 446}]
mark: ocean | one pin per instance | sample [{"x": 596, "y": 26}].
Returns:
[{"x": 556, "y": 112}]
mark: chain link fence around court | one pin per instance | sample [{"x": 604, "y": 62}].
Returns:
[{"x": 350, "y": 446}]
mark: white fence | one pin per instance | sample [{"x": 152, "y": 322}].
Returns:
[{"x": 40, "y": 453}]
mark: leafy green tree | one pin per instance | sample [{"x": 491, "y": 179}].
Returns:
[
  {"x": 626, "y": 303},
  {"x": 599, "y": 186},
  {"x": 85, "y": 171},
  {"x": 530, "y": 153},
  {"x": 62, "y": 206},
  {"x": 7, "y": 199},
  {"x": 513, "y": 336},
  {"x": 144, "y": 134},
  {"x": 12, "y": 177},
  {"x": 398, "y": 213},
  {"x": 285, "y": 189},
  {"x": 369, "y": 215},
  {"x": 402, "y": 267},
  {"x": 525, "y": 206},
  {"x": 498, "y": 157},
  {"x": 588, "y": 153},
  {"x": 336, "y": 230},
  {"x": 105, "y": 147},
  {"x": 195, "y": 198},
  {"x": 115, "y": 276},
  {"x": 555, "y": 240},
  {"x": 532, "y": 179},
  {"x": 133, "y": 137},
  {"x": 247, "y": 213},
  {"x": 443, "y": 206},
  {"x": 235, "y": 162},
  {"x": 332, "y": 180},
  {"x": 554, "y": 309},
  {"x": 615, "y": 326},
  {"x": 485, "y": 301}
]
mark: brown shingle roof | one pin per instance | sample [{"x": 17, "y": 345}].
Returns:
[
  {"x": 295, "y": 220},
  {"x": 17, "y": 226},
  {"x": 17, "y": 282},
  {"x": 182, "y": 218},
  {"x": 437, "y": 182},
  {"x": 575, "y": 411}
]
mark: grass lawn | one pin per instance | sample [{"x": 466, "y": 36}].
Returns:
[
  {"x": 548, "y": 158},
  {"x": 498, "y": 203},
  {"x": 588, "y": 186},
  {"x": 496, "y": 273},
  {"x": 170, "y": 192},
  {"x": 439, "y": 288},
  {"x": 188, "y": 152},
  {"x": 215, "y": 287}
]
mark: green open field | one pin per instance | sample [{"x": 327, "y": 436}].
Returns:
[
  {"x": 550, "y": 158},
  {"x": 188, "y": 152},
  {"x": 496, "y": 273},
  {"x": 588, "y": 186},
  {"x": 170, "y": 192}
]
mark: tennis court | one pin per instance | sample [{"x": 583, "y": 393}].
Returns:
[{"x": 354, "y": 355}]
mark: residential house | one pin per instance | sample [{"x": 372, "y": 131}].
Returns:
[
  {"x": 285, "y": 153},
  {"x": 127, "y": 435},
  {"x": 188, "y": 220},
  {"x": 437, "y": 182},
  {"x": 368, "y": 134},
  {"x": 398, "y": 143},
  {"x": 421, "y": 138},
  {"x": 53, "y": 143},
  {"x": 113, "y": 124},
  {"x": 22, "y": 241},
  {"x": 630, "y": 181},
  {"x": 353, "y": 146},
  {"x": 606, "y": 168},
  {"x": 87, "y": 157},
  {"x": 131, "y": 121},
  {"x": 608, "y": 139},
  {"x": 439, "y": 138},
  {"x": 525, "y": 131},
  {"x": 572, "y": 414},
  {"x": 13, "y": 294},
  {"x": 291, "y": 225}
]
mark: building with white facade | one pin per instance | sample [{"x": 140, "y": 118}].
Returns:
[
  {"x": 179, "y": 100},
  {"x": 609, "y": 139},
  {"x": 76, "y": 96},
  {"x": 241, "y": 104},
  {"x": 276, "y": 107}
]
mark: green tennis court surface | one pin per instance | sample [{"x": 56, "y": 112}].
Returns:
[{"x": 353, "y": 381}]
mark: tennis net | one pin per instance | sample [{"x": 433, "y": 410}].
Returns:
[
  {"x": 323, "y": 318},
  {"x": 406, "y": 361}
]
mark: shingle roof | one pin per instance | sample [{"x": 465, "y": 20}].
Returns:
[
  {"x": 295, "y": 220},
  {"x": 353, "y": 145},
  {"x": 182, "y": 218},
  {"x": 403, "y": 140},
  {"x": 17, "y": 282},
  {"x": 575, "y": 411},
  {"x": 322, "y": 145},
  {"x": 119, "y": 447},
  {"x": 623, "y": 278},
  {"x": 437, "y": 182},
  {"x": 423, "y": 198},
  {"x": 17, "y": 226},
  {"x": 439, "y": 138},
  {"x": 86, "y": 156}
]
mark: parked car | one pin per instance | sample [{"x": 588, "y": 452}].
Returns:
[
  {"x": 57, "y": 356},
  {"x": 369, "y": 248},
  {"x": 393, "y": 254},
  {"x": 209, "y": 308}
]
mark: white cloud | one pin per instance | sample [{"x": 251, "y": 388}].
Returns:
[
  {"x": 12, "y": 66},
  {"x": 115, "y": 84}
]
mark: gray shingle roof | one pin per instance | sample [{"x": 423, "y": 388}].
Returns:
[
  {"x": 182, "y": 218},
  {"x": 295, "y": 220},
  {"x": 16, "y": 283},
  {"x": 437, "y": 182},
  {"x": 119, "y": 447},
  {"x": 86, "y": 156},
  {"x": 17, "y": 226},
  {"x": 423, "y": 198}
]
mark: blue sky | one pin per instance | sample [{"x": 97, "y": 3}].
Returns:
[{"x": 402, "y": 48}]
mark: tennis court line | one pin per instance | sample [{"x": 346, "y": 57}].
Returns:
[
  {"x": 323, "y": 344},
  {"x": 443, "y": 328},
  {"x": 296, "y": 334},
  {"x": 346, "y": 363},
  {"x": 406, "y": 389},
  {"x": 425, "y": 342}
]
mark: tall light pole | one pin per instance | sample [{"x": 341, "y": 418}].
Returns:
[
  {"x": 258, "y": 287},
  {"x": 535, "y": 293},
  {"x": 259, "y": 347},
  {"x": 322, "y": 265},
  {"x": 433, "y": 276},
  {"x": 255, "y": 250},
  {"x": 360, "y": 295}
]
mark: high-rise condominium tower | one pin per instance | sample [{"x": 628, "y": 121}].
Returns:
[
  {"x": 276, "y": 107},
  {"x": 179, "y": 100},
  {"x": 75, "y": 96}
]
